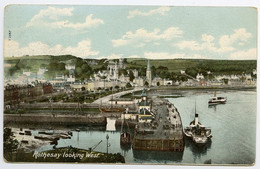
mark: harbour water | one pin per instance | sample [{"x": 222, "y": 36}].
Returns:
[{"x": 233, "y": 128}]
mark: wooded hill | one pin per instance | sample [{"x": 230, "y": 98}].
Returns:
[{"x": 169, "y": 68}]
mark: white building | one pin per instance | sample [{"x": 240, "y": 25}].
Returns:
[
  {"x": 135, "y": 72},
  {"x": 27, "y": 73},
  {"x": 200, "y": 76},
  {"x": 139, "y": 81},
  {"x": 167, "y": 82},
  {"x": 70, "y": 66}
]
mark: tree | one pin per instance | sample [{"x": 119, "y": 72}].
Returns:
[
  {"x": 83, "y": 88},
  {"x": 117, "y": 87},
  {"x": 192, "y": 71},
  {"x": 122, "y": 71},
  {"x": 81, "y": 99},
  {"x": 142, "y": 71},
  {"x": 124, "y": 60},
  {"x": 146, "y": 83},
  {"x": 128, "y": 85},
  {"x": 131, "y": 76},
  {"x": 225, "y": 81},
  {"x": 10, "y": 144}
]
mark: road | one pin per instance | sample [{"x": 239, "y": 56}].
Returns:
[{"x": 105, "y": 100}]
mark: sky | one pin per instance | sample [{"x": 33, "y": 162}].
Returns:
[{"x": 154, "y": 32}]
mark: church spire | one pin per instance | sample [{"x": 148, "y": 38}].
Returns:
[{"x": 148, "y": 65}]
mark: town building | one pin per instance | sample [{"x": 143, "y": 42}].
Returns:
[
  {"x": 144, "y": 106},
  {"x": 113, "y": 70},
  {"x": 157, "y": 81},
  {"x": 199, "y": 77},
  {"x": 121, "y": 64},
  {"x": 138, "y": 81},
  {"x": 135, "y": 72}
]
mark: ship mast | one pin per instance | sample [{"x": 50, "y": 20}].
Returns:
[
  {"x": 112, "y": 99},
  {"x": 196, "y": 119},
  {"x": 195, "y": 106}
]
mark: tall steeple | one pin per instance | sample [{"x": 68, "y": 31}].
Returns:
[
  {"x": 148, "y": 66},
  {"x": 116, "y": 73},
  {"x": 148, "y": 73}
]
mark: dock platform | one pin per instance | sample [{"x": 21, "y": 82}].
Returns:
[{"x": 164, "y": 133}]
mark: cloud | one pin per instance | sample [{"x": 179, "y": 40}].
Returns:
[
  {"x": 160, "y": 11},
  {"x": 165, "y": 55},
  {"x": 53, "y": 13},
  {"x": 141, "y": 37},
  {"x": 192, "y": 45},
  {"x": 239, "y": 35},
  {"x": 112, "y": 56},
  {"x": 134, "y": 56},
  {"x": 51, "y": 16},
  {"x": 250, "y": 54},
  {"x": 225, "y": 43},
  {"x": 83, "y": 49}
]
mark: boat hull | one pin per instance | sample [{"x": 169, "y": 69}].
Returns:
[
  {"x": 125, "y": 138},
  {"x": 111, "y": 110}
]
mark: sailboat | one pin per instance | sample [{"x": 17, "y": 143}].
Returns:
[
  {"x": 217, "y": 100},
  {"x": 111, "y": 109},
  {"x": 197, "y": 132},
  {"x": 125, "y": 137}
]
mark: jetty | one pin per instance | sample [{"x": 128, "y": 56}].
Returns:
[{"x": 164, "y": 133}]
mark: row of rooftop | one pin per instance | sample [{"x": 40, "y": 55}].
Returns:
[{"x": 111, "y": 78}]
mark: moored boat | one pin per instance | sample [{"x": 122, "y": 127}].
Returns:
[
  {"x": 217, "y": 100},
  {"x": 111, "y": 110},
  {"x": 197, "y": 132},
  {"x": 125, "y": 137}
]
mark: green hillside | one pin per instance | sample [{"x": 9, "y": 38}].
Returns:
[
  {"x": 199, "y": 65},
  {"x": 164, "y": 68}
]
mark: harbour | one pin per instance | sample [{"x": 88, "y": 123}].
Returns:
[{"x": 222, "y": 119}]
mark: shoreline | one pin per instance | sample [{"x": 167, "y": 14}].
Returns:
[{"x": 204, "y": 88}]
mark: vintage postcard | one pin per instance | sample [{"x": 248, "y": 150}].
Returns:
[{"x": 130, "y": 84}]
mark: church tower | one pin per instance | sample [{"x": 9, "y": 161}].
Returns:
[
  {"x": 149, "y": 73},
  {"x": 116, "y": 73}
]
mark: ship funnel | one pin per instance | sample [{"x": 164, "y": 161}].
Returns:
[{"x": 196, "y": 120}]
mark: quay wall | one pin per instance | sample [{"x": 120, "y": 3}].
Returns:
[
  {"x": 151, "y": 138},
  {"x": 159, "y": 144},
  {"x": 58, "y": 105},
  {"x": 66, "y": 105},
  {"x": 63, "y": 120}
]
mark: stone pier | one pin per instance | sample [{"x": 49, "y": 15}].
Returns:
[{"x": 164, "y": 133}]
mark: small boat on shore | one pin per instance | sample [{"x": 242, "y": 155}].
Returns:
[
  {"x": 217, "y": 100},
  {"x": 197, "y": 132},
  {"x": 46, "y": 132}
]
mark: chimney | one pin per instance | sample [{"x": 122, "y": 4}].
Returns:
[{"x": 196, "y": 119}]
